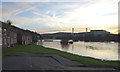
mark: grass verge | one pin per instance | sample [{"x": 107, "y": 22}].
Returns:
[{"x": 43, "y": 50}]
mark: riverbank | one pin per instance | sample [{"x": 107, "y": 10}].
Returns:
[{"x": 35, "y": 49}]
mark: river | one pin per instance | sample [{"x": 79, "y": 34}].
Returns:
[{"x": 99, "y": 50}]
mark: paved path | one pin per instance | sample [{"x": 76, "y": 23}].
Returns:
[{"x": 28, "y": 61}]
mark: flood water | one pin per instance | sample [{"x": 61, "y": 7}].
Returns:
[{"x": 99, "y": 50}]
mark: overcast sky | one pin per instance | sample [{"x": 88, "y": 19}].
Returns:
[{"x": 50, "y": 17}]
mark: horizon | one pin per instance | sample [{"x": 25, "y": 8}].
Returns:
[
  {"x": 70, "y": 32},
  {"x": 53, "y": 17}
]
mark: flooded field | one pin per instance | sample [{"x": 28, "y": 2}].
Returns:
[{"x": 99, "y": 50}]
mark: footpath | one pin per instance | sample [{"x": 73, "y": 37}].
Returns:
[{"x": 28, "y": 61}]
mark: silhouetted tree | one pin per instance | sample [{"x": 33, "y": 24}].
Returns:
[{"x": 9, "y": 22}]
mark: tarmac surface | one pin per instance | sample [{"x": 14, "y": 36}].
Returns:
[{"x": 28, "y": 61}]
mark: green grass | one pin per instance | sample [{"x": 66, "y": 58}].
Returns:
[{"x": 43, "y": 50}]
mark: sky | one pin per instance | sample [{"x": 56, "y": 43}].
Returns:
[{"x": 51, "y": 17}]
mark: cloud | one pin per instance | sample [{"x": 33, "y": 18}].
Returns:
[
  {"x": 11, "y": 9},
  {"x": 62, "y": 16},
  {"x": 25, "y": 10},
  {"x": 47, "y": 12},
  {"x": 37, "y": 13},
  {"x": 92, "y": 14},
  {"x": 51, "y": 21},
  {"x": 45, "y": 0}
]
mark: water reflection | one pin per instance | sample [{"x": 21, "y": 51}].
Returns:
[
  {"x": 40, "y": 42},
  {"x": 72, "y": 47},
  {"x": 100, "y": 50},
  {"x": 65, "y": 46},
  {"x": 91, "y": 47}
]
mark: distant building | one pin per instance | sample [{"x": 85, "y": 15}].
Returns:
[
  {"x": 101, "y": 33},
  {"x": 94, "y": 35}
]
